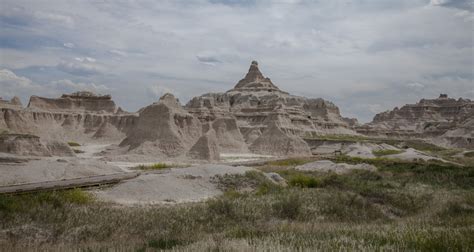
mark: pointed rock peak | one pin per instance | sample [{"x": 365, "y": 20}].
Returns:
[
  {"x": 170, "y": 100},
  {"x": 255, "y": 81}
]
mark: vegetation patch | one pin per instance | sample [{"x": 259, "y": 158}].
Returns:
[
  {"x": 158, "y": 166},
  {"x": 290, "y": 162},
  {"x": 73, "y": 144},
  {"x": 78, "y": 151},
  {"x": 379, "y": 153},
  {"x": 469, "y": 154}
]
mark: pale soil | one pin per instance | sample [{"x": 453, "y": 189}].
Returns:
[
  {"x": 329, "y": 166},
  {"x": 175, "y": 185}
]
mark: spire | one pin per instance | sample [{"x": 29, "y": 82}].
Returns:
[{"x": 254, "y": 80}]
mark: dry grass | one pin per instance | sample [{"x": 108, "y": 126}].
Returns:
[{"x": 402, "y": 207}]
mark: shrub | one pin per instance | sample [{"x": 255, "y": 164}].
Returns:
[
  {"x": 157, "y": 166},
  {"x": 73, "y": 144},
  {"x": 469, "y": 154},
  {"x": 290, "y": 162},
  {"x": 304, "y": 181},
  {"x": 287, "y": 206},
  {"x": 386, "y": 152},
  {"x": 78, "y": 151}
]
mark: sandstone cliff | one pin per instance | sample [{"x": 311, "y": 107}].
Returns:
[
  {"x": 255, "y": 102},
  {"x": 445, "y": 120},
  {"x": 79, "y": 117}
]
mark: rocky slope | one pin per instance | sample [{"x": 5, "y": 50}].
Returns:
[
  {"x": 444, "y": 120},
  {"x": 80, "y": 117},
  {"x": 255, "y": 102}
]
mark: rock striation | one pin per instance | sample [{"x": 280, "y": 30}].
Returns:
[
  {"x": 15, "y": 103},
  {"x": 445, "y": 120},
  {"x": 78, "y": 101},
  {"x": 255, "y": 102},
  {"x": 163, "y": 129},
  {"x": 30, "y": 145},
  {"x": 80, "y": 117}
]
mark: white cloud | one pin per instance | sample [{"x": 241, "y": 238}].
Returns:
[{"x": 352, "y": 52}]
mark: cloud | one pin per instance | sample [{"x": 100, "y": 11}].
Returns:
[
  {"x": 69, "y": 45},
  {"x": 69, "y": 86},
  {"x": 79, "y": 66},
  {"x": 354, "y": 53},
  {"x": 460, "y": 4},
  {"x": 208, "y": 60},
  {"x": 14, "y": 85}
]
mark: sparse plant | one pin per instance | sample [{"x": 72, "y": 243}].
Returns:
[
  {"x": 73, "y": 144},
  {"x": 379, "y": 153}
]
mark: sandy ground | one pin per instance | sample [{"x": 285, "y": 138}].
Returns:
[
  {"x": 412, "y": 154},
  {"x": 175, "y": 185},
  {"x": 242, "y": 157},
  {"x": 329, "y": 166}
]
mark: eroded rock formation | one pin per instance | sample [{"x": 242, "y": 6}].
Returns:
[
  {"x": 79, "y": 117},
  {"x": 444, "y": 120},
  {"x": 163, "y": 128},
  {"x": 255, "y": 102}
]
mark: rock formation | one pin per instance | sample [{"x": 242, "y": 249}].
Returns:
[
  {"x": 206, "y": 147},
  {"x": 79, "y": 117},
  {"x": 15, "y": 102},
  {"x": 30, "y": 145},
  {"x": 163, "y": 128},
  {"x": 255, "y": 102},
  {"x": 275, "y": 141},
  {"x": 78, "y": 101},
  {"x": 442, "y": 119}
]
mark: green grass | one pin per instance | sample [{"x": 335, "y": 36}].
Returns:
[
  {"x": 73, "y": 144},
  {"x": 11, "y": 204},
  {"x": 403, "y": 206},
  {"x": 160, "y": 166},
  {"x": 469, "y": 154},
  {"x": 379, "y": 153},
  {"x": 290, "y": 162}
]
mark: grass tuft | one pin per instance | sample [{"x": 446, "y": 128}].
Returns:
[
  {"x": 73, "y": 144},
  {"x": 379, "y": 153}
]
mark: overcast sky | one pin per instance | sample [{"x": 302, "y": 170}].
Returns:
[{"x": 366, "y": 56}]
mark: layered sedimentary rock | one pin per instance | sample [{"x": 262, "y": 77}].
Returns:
[
  {"x": 15, "y": 103},
  {"x": 206, "y": 147},
  {"x": 443, "y": 118},
  {"x": 78, "y": 101},
  {"x": 255, "y": 102},
  {"x": 77, "y": 117},
  {"x": 275, "y": 141},
  {"x": 30, "y": 145},
  {"x": 164, "y": 129}
]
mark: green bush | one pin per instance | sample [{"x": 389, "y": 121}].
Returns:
[
  {"x": 157, "y": 166},
  {"x": 73, "y": 144},
  {"x": 304, "y": 181},
  {"x": 469, "y": 154},
  {"x": 386, "y": 152},
  {"x": 287, "y": 206},
  {"x": 290, "y": 162}
]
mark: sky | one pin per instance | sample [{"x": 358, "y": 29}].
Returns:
[{"x": 366, "y": 56}]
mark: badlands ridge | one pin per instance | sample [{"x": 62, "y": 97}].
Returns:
[{"x": 82, "y": 135}]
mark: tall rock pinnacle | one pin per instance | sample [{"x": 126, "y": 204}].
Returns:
[{"x": 255, "y": 81}]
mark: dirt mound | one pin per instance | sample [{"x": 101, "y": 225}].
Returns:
[
  {"x": 30, "y": 145},
  {"x": 163, "y": 128},
  {"x": 22, "y": 144},
  {"x": 274, "y": 141},
  {"x": 228, "y": 135},
  {"x": 206, "y": 148},
  {"x": 14, "y": 103}
]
